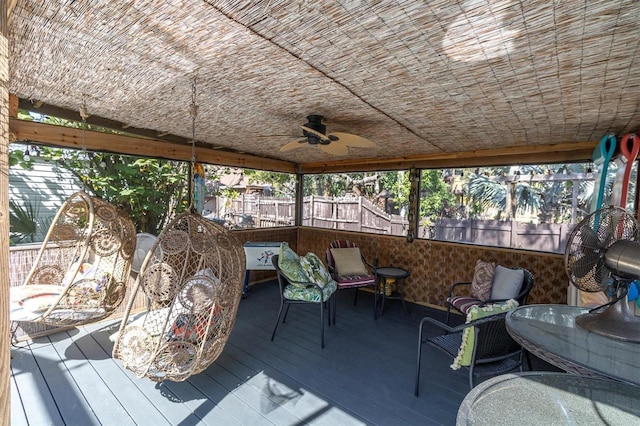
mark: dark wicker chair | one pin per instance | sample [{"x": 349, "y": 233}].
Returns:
[
  {"x": 494, "y": 351},
  {"x": 324, "y": 300},
  {"x": 462, "y": 304}
]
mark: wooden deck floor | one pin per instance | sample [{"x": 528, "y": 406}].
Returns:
[{"x": 364, "y": 376}]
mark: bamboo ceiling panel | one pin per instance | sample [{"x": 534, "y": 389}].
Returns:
[{"x": 415, "y": 77}]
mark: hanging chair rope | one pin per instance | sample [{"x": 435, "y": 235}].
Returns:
[
  {"x": 193, "y": 112},
  {"x": 85, "y": 156}
]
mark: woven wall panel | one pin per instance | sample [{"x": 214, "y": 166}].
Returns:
[{"x": 434, "y": 266}]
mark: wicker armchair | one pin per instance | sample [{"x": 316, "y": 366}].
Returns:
[{"x": 493, "y": 350}]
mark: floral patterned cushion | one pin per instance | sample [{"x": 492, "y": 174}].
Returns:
[
  {"x": 309, "y": 294},
  {"x": 482, "y": 280},
  {"x": 289, "y": 264},
  {"x": 315, "y": 269}
]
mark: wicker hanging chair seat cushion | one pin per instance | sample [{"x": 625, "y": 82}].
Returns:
[{"x": 30, "y": 302}]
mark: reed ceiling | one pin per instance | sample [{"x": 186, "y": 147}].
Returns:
[{"x": 416, "y": 77}]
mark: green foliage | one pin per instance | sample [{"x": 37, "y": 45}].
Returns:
[
  {"x": 284, "y": 184},
  {"x": 17, "y": 158},
  {"x": 549, "y": 200},
  {"x": 436, "y": 197},
  {"x": 23, "y": 221},
  {"x": 149, "y": 190}
]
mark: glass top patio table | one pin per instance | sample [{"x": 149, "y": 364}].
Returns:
[
  {"x": 550, "y": 332},
  {"x": 543, "y": 398}
]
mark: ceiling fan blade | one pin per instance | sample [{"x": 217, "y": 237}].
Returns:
[
  {"x": 334, "y": 148},
  {"x": 353, "y": 140},
  {"x": 322, "y": 136},
  {"x": 293, "y": 145}
]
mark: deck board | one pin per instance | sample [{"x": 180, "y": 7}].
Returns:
[{"x": 363, "y": 376}]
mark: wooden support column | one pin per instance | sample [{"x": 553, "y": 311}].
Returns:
[
  {"x": 300, "y": 200},
  {"x": 5, "y": 354}
]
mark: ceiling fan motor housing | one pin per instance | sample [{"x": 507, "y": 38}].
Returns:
[{"x": 314, "y": 122}]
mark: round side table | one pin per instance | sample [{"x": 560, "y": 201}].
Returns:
[{"x": 390, "y": 273}]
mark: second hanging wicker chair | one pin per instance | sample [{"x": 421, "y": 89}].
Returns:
[
  {"x": 192, "y": 278},
  {"x": 81, "y": 271}
]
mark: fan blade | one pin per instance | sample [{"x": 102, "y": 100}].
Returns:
[
  {"x": 589, "y": 239},
  {"x": 292, "y": 145},
  {"x": 353, "y": 140},
  {"x": 581, "y": 267},
  {"x": 334, "y": 148},
  {"x": 322, "y": 136}
]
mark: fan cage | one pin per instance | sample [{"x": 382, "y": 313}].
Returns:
[{"x": 588, "y": 243}]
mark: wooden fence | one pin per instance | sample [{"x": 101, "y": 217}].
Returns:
[
  {"x": 351, "y": 214},
  {"x": 360, "y": 215},
  {"x": 342, "y": 213},
  {"x": 549, "y": 237}
]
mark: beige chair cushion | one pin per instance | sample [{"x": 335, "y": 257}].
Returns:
[{"x": 348, "y": 261}]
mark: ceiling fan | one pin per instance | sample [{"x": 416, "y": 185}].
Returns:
[{"x": 337, "y": 143}]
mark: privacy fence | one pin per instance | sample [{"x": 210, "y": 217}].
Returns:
[{"x": 361, "y": 215}]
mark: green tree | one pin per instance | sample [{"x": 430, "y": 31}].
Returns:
[
  {"x": 436, "y": 198},
  {"x": 284, "y": 184},
  {"x": 151, "y": 191},
  {"x": 526, "y": 190}
]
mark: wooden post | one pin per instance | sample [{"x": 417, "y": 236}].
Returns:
[
  {"x": 5, "y": 354},
  {"x": 359, "y": 214},
  {"x": 299, "y": 216}
]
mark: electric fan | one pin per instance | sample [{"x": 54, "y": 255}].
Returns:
[
  {"x": 603, "y": 254},
  {"x": 144, "y": 243}
]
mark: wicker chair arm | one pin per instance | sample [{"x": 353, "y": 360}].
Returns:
[
  {"x": 458, "y": 284},
  {"x": 460, "y": 327}
]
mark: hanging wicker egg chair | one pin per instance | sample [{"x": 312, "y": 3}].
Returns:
[
  {"x": 81, "y": 271},
  {"x": 192, "y": 278}
]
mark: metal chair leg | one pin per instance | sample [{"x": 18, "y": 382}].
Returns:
[
  {"x": 322, "y": 324},
  {"x": 417, "y": 387},
  {"x": 273, "y": 335}
]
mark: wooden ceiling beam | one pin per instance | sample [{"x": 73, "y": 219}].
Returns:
[
  {"x": 66, "y": 137},
  {"x": 46, "y": 134},
  {"x": 539, "y": 154}
]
